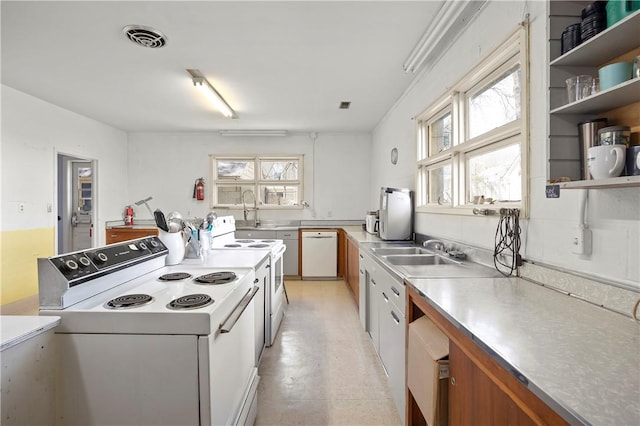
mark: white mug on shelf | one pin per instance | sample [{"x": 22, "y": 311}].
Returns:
[{"x": 606, "y": 161}]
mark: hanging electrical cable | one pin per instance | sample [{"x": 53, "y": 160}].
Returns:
[{"x": 506, "y": 255}]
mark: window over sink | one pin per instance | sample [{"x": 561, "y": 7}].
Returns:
[
  {"x": 472, "y": 143},
  {"x": 275, "y": 181}
]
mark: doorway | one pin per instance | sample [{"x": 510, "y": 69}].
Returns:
[{"x": 76, "y": 203}]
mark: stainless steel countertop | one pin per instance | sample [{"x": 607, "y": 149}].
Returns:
[{"x": 582, "y": 360}]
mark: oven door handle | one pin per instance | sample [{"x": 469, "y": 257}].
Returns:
[
  {"x": 282, "y": 249},
  {"x": 235, "y": 315}
]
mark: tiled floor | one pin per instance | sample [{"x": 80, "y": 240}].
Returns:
[{"x": 322, "y": 369}]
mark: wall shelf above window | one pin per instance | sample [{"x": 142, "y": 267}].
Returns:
[{"x": 618, "y": 182}]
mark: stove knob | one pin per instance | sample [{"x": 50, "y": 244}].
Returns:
[
  {"x": 143, "y": 246},
  {"x": 71, "y": 265},
  {"x": 84, "y": 261},
  {"x": 154, "y": 243},
  {"x": 100, "y": 257}
]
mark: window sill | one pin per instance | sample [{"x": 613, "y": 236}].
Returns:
[
  {"x": 240, "y": 208},
  {"x": 480, "y": 210}
]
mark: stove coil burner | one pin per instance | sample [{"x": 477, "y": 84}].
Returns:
[
  {"x": 175, "y": 276},
  {"x": 129, "y": 301},
  {"x": 259, "y": 245},
  {"x": 216, "y": 278},
  {"x": 232, "y": 245},
  {"x": 245, "y": 241},
  {"x": 191, "y": 301},
  {"x": 268, "y": 241}
]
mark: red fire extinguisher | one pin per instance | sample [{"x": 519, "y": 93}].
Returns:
[
  {"x": 198, "y": 189},
  {"x": 128, "y": 215}
]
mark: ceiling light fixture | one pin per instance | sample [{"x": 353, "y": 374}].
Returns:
[
  {"x": 253, "y": 133},
  {"x": 445, "y": 27},
  {"x": 203, "y": 85}
]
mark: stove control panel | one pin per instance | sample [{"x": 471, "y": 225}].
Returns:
[
  {"x": 80, "y": 266},
  {"x": 124, "y": 253},
  {"x": 74, "y": 266}
]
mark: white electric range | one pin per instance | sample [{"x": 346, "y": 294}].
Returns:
[
  {"x": 143, "y": 343},
  {"x": 223, "y": 238}
]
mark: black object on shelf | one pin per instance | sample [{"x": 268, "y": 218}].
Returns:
[
  {"x": 594, "y": 19},
  {"x": 571, "y": 37}
]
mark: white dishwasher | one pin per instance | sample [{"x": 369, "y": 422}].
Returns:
[{"x": 319, "y": 254}]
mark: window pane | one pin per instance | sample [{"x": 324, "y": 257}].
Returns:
[
  {"x": 439, "y": 181},
  {"x": 274, "y": 195},
  {"x": 279, "y": 170},
  {"x": 235, "y": 169},
  {"x": 496, "y": 105},
  {"x": 232, "y": 194},
  {"x": 440, "y": 135},
  {"x": 496, "y": 174}
]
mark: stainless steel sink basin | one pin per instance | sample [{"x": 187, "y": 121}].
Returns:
[
  {"x": 382, "y": 251},
  {"x": 419, "y": 259}
]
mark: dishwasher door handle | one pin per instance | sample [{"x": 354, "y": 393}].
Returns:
[{"x": 235, "y": 315}]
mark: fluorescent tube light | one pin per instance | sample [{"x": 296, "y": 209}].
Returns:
[
  {"x": 446, "y": 26},
  {"x": 253, "y": 133},
  {"x": 203, "y": 85}
]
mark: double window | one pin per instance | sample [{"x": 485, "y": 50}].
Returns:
[
  {"x": 275, "y": 182},
  {"x": 472, "y": 143}
]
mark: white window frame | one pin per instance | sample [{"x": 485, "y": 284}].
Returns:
[
  {"x": 257, "y": 182},
  {"x": 513, "y": 52}
]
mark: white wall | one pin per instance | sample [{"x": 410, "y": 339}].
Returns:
[
  {"x": 336, "y": 171},
  {"x": 33, "y": 133},
  {"x": 613, "y": 214}
]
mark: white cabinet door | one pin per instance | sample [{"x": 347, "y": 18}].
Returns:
[
  {"x": 362, "y": 288},
  {"x": 373, "y": 312},
  {"x": 290, "y": 257},
  {"x": 392, "y": 350}
]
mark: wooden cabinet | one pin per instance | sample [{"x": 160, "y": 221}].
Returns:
[
  {"x": 481, "y": 391},
  {"x": 118, "y": 235},
  {"x": 353, "y": 268},
  {"x": 475, "y": 399},
  {"x": 619, "y": 104}
]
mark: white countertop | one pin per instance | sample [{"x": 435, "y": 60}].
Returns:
[
  {"x": 15, "y": 329},
  {"x": 231, "y": 258},
  {"x": 577, "y": 357}
]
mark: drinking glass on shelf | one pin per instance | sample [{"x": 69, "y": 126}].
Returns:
[
  {"x": 595, "y": 86},
  {"x": 579, "y": 87}
]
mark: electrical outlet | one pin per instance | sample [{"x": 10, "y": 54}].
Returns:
[
  {"x": 581, "y": 241},
  {"x": 20, "y": 207}
]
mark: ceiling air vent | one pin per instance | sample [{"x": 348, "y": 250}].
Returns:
[
  {"x": 345, "y": 105},
  {"x": 145, "y": 36}
]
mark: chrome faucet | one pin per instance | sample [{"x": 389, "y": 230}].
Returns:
[
  {"x": 437, "y": 244},
  {"x": 246, "y": 209}
]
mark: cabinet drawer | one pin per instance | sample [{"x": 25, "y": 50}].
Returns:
[
  {"x": 256, "y": 234},
  {"x": 118, "y": 235},
  {"x": 287, "y": 235},
  {"x": 397, "y": 295}
]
